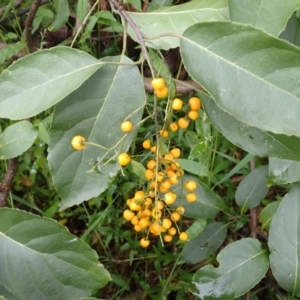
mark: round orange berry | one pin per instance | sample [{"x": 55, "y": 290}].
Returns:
[
  {"x": 195, "y": 103},
  {"x": 126, "y": 126},
  {"x": 177, "y": 104},
  {"x": 144, "y": 242},
  {"x": 78, "y": 142},
  {"x": 158, "y": 83},
  {"x": 183, "y": 123}
]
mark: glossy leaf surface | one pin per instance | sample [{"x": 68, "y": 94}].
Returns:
[
  {"x": 242, "y": 265},
  {"x": 250, "y": 74},
  {"x": 115, "y": 93},
  {"x": 45, "y": 260},
  {"x": 284, "y": 240},
  {"x": 176, "y": 19},
  {"x": 16, "y": 139},
  {"x": 267, "y": 214},
  {"x": 36, "y": 82}
]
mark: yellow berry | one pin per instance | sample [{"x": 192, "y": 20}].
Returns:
[
  {"x": 149, "y": 174},
  {"x": 151, "y": 164},
  {"x": 169, "y": 158},
  {"x": 166, "y": 184},
  {"x": 183, "y": 123},
  {"x": 168, "y": 238},
  {"x": 146, "y": 213},
  {"x": 164, "y": 133},
  {"x": 156, "y": 214},
  {"x": 191, "y": 197},
  {"x": 172, "y": 231},
  {"x": 173, "y": 126},
  {"x": 183, "y": 236},
  {"x": 175, "y": 216},
  {"x": 126, "y": 126},
  {"x": 135, "y": 206},
  {"x": 144, "y": 222},
  {"x": 148, "y": 202},
  {"x": 128, "y": 214},
  {"x": 144, "y": 242},
  {"x": 158, "y": 83},
  {"x": 195, "y": 103},
  {"x": 153, "y": 149},
  {"x": 162, "y": 93},
  {"x": 193, "y": 114},
  {"x": 190, "y": 185},
  {"x": 78, "y": 142},
  {"x": 177, "y": 104},
  {"x": 159, "y": 205},
  {"x": 170, "y": 198},
  {"x": 124, "y": 159},
  {"x": 146, "y": 144},
  {"x": 160, "y": 177},
  {"x": 137, "y": 228},
  {"x": 180, "y": 209},
  {"x": 174, "y": 179},
  {"x": 176, "y": 152},
  {"x": 135, "y": 220},
  {"x": 166, "y": 223}
]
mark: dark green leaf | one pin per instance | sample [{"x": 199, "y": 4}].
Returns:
[
  {"x": 282, "y": 171},
  {"x": 250, "y": 74},
  {"x": 196, "y": 228},
  {"x": 45, "y": 260},
  {"x": 16, "y": 139},
  {"x": 269, "y": 15},
  {"x": 10, "y": 50},
  {"x": 40, "y": 80},
  {"x": 94, "y": 111},
  {"x": 242, "y": 265},
  {"x": 284, "y": 241},
  {"x": 252, "y": 189},
  {"x": 198, "y": 249}
]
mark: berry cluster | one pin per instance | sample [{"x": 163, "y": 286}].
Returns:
[{"x": 159, "y": 87}]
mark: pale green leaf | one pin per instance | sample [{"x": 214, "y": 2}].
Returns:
[
  {"x": 207, "y": 205},
  {"x": 193, "y": 167},
  {"x": 82, "y": 9},
  {"x": 269, "y": 15},
  {"x": 196, "y": 228},
  {"x": 45, "y": 260},
  {"x": 290, "y": 32},
  {"x": 16, "y": 139},
  {"x": 242, "y": 265},
  {"x": 252, "y": 189},
  {"x": 198, "y": 249},
  {"x": 282, "y": 171},
  {"x": 284, "y": 241},
  {"x": 267, "y": 214},
  {"x": 36, "y": 82},
  {"x": 250, "y": 74},
  {"x": 176, "y": 19},
  {"x": 62, "y": 14},
  {"x": 115, "y": 93},
  {"x": 249, "y": 138}
]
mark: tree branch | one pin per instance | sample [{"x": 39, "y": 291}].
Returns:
[
  {"x": 6, "y": 184},
  {"x": 28, "y": 25}
]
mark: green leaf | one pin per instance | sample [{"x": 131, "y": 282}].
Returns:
[
  {"x": 40, "y": 80},
  {"x": 176, "y": 19},
  {"x": 82, "y": 9},
  {"x": 269, "y": 15},
  {"x": 242, "y": 265},
  {"x": 16, "y": 139},
  {"x": 207, "y": 205},
  {"x": 138, "y": 169},
  {"x": 62, "y": 14},
  {"x": 267, "y": 214},
  {"x": 135, "y": 3},
  {"x": 94, "y": 111},
  {"x": 284, "y": 240},
  {"x": 290, "y": 32},
  {"x": 196, "y": 228},
  {"x": 282, "y": 171},
  {"x": 10, "y": 50},
  {"x": 6, "y": 295},
  {"x": 193, "y": 167},
  {"x": 250, "y": 74},
  {"x": 198, "y": 249},
  {"x": 45, "y": 260},
  {"x": 249, "y": 138},
  {"x": 252, "y": 189}
]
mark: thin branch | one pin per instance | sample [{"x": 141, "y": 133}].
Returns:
[
  {"x": 19, "y": 13},
  {"x": 6, "y": 184},
  {"x": 253, "y": 211},
  {"x": 137, "y": 32},
  {"x": 28, "y": 25}
]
